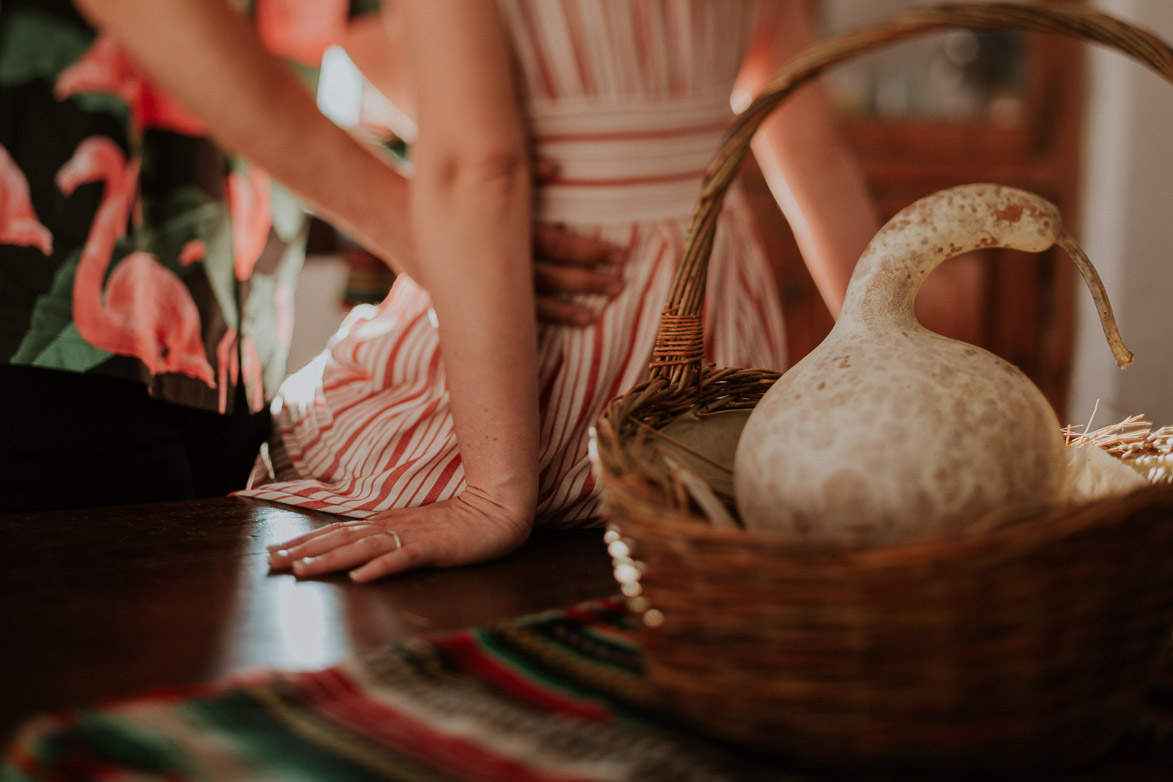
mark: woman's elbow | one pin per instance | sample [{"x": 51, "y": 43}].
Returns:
[
  {"x": 493, "y": 160},
  {"x": 480, "y": 166}
]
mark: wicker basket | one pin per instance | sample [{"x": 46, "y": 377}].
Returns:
[{"x": 1030, "y": 643}]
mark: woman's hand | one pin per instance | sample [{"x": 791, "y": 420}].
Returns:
[{"x": 467, "y": 529}]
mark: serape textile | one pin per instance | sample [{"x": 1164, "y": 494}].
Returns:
[{"x": 554, "y": 696}]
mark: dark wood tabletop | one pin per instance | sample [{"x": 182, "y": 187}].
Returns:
[{"x": 112, "y": 602}]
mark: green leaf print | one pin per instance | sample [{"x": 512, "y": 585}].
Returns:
[
  {"x": 260, "y": 315},
  {"x": 52, "y": 340},
  {"x": 184, "y": 214},
  {"x": 70, "y": 351},
  {"x": 288, "y": 214},
  {"x": 38, "y": 45}
]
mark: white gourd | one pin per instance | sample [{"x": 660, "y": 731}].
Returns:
[{"x": 887, "y": 430}]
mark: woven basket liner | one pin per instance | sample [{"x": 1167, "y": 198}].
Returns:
[{"x": 1028, "y": 643}]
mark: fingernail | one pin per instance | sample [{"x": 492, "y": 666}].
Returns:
[
  {"x": 280, "y": 553},
  {"x": 302, "y": 564}
]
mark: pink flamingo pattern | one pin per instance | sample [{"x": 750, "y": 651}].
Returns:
[
  {"x": 250, "y": 207},
  {"x": 301, "y": 30},
  {"x": 250, "y": 210},
  {"x": 18, "y": 221},
  {"x": 172, "y": 304},
  {"x": 232, "y": 365},
  {"x": 105, "y": 69},
  {"x": 193, "y": 251},
  {"x": 148, "y": 312}
]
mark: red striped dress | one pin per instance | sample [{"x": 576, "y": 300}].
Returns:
[{"x": 630, "y": 99}]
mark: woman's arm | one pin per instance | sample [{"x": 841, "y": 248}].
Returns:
[
  {"x": 564, "y": 262},
  {"x": 811, "y": 171},
  {"x": 471, "y": 208}
]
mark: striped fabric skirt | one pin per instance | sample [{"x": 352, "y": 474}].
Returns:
[{"x": 366, "y": 427}]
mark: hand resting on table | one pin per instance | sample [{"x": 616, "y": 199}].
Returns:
[{"x": 466, "y": 529}]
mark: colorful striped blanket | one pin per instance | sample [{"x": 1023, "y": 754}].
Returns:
[{"x": 553, "y": 696}]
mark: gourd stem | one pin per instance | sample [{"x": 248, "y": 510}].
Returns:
[{"x": 1095, "y": 286}]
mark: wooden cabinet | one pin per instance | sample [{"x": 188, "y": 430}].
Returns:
[{"x": 1023, "y": 129}]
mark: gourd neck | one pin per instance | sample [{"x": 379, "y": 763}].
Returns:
[
  {"x": 885, "y": 284},
  {"x": 912, "y": 244}
]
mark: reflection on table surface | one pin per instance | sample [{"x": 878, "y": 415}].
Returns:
[{"x": 112, "y": 602}]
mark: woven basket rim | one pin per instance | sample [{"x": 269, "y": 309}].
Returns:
[
  {"x": 1048, "y": 526},
  {"x": 636, "y": 489}
]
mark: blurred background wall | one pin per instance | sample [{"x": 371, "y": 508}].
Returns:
[{"x": 1127, "y": 227}]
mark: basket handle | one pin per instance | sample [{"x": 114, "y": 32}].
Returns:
[{"x": 679, "y": 348}]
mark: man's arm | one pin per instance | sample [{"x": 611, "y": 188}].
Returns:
[{"x": 208, "y": 57}]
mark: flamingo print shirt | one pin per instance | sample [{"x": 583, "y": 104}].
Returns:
[{"x": 130, "y": 245}]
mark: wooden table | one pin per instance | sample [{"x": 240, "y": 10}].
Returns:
[{"x": 110, "y": 602}]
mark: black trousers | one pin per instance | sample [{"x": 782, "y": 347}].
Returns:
[{"x": 70, "y": 440}]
